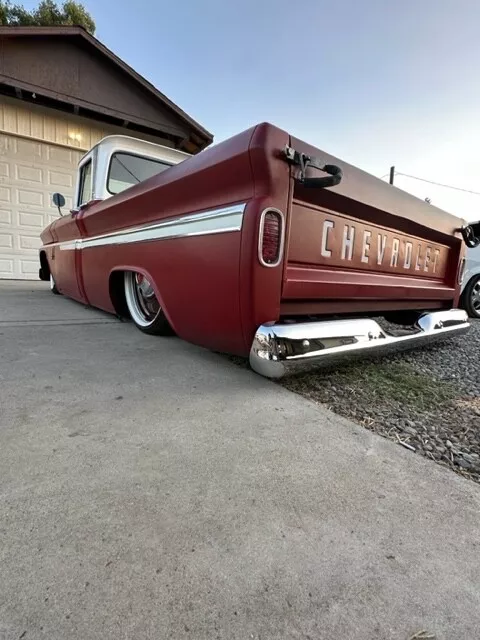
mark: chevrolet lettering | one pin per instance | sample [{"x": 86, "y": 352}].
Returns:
[{"x": 344, "y": 241}]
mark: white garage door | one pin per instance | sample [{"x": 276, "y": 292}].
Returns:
[{"x": 30, "y": 172}]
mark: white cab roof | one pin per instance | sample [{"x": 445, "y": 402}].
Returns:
[{"x": 110, "y": 144}]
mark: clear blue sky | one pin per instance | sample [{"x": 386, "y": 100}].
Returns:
[{"x": 375, "y": 82}]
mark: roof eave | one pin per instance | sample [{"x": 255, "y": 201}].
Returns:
[{"x": 205, "y": 136}]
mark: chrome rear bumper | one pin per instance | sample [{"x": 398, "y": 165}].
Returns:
[{"x": 278, "y": 349}]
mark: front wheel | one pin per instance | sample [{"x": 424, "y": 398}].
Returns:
[
  {"x": 143, "y": 305},
  {"x": 471, "y": 297},
  {"x": 53, "y": 286}
]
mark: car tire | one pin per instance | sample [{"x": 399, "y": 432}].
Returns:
[
  {"x": 144, "y": 308},
  {"x": 53, "y": 286},
  {"x": 471, "y": 297}
]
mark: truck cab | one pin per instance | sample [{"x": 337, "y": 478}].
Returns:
[
  {"x": 117, "y": 163},
  {"x": 112, "y": 166}
]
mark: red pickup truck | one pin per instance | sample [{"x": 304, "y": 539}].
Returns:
[{"x": 261, "y": 246}]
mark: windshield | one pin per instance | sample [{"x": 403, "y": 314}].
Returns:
[{"x": 127, "y": 169}]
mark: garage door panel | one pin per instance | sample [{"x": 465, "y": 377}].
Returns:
[
  {"x": 32, "y": 176},
  {"x": 6, "y": 267},
  {"x": 29, "y": 269},
  {"x": 30, "y": 197},
  {"x": 14, "y": 267},
  {"x": 6, "y": 240},
  {"x": 30, "y": 219},
  {"x": 5, "y": 217},
  {"x": 62, "y": 156},
  {"x": 60, "y": 179},
  {"x": 30, "y": 172},
  {"x": 27, "y": 242},
  {"x": 5, "y": 194},
  {"x": 20, "y": 238}
]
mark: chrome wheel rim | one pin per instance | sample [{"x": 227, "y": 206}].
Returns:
[
  {"x": 475, "y": 297},
  {"x": 141, "y": 299}
]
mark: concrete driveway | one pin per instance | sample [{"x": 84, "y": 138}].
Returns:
[{"x": 151, "y": 490}]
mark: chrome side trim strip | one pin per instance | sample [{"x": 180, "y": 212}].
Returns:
[
  {"x": 278, "y": 349},
  {"x": 221, "y": 220},
  {"x": 71, "y": 244}
]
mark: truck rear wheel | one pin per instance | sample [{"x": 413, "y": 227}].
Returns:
[
  {"x": 143, "y": 305},
  {"x": 471, "y": 297}
]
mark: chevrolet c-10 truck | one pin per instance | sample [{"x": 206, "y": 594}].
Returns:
[{"x": 261, "y": 246}]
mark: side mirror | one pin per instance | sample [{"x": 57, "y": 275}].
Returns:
[{"x": 59, "y": 202}]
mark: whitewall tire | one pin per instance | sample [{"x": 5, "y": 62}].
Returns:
[{"x": 144, "y": 308}]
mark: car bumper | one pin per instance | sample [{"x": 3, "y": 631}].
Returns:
[{"x": 278, "y": 349}]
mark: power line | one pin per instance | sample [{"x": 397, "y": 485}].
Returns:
[{"x": 438, "y": 184}]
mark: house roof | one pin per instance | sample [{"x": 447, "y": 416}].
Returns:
[{"x": 81, "y": 37}]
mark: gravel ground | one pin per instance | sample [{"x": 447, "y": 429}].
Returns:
[{"x": 426, "y": 400}]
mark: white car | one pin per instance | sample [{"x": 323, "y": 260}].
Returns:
[{"x": 471, "y": 283}]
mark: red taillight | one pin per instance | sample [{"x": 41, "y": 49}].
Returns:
[{"x": 271, "y": 238}]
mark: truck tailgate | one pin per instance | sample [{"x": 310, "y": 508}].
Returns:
[{"x": 365, "y": 245}]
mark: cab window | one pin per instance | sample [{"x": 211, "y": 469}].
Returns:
[
  {"x": 85, "y": 193},
  {"x": 127, "y": 169}
]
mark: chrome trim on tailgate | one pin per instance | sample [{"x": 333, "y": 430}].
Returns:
[{"x": 282, "y": 348}]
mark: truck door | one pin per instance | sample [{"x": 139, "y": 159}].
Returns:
[{"x": 66, "y": 263}]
